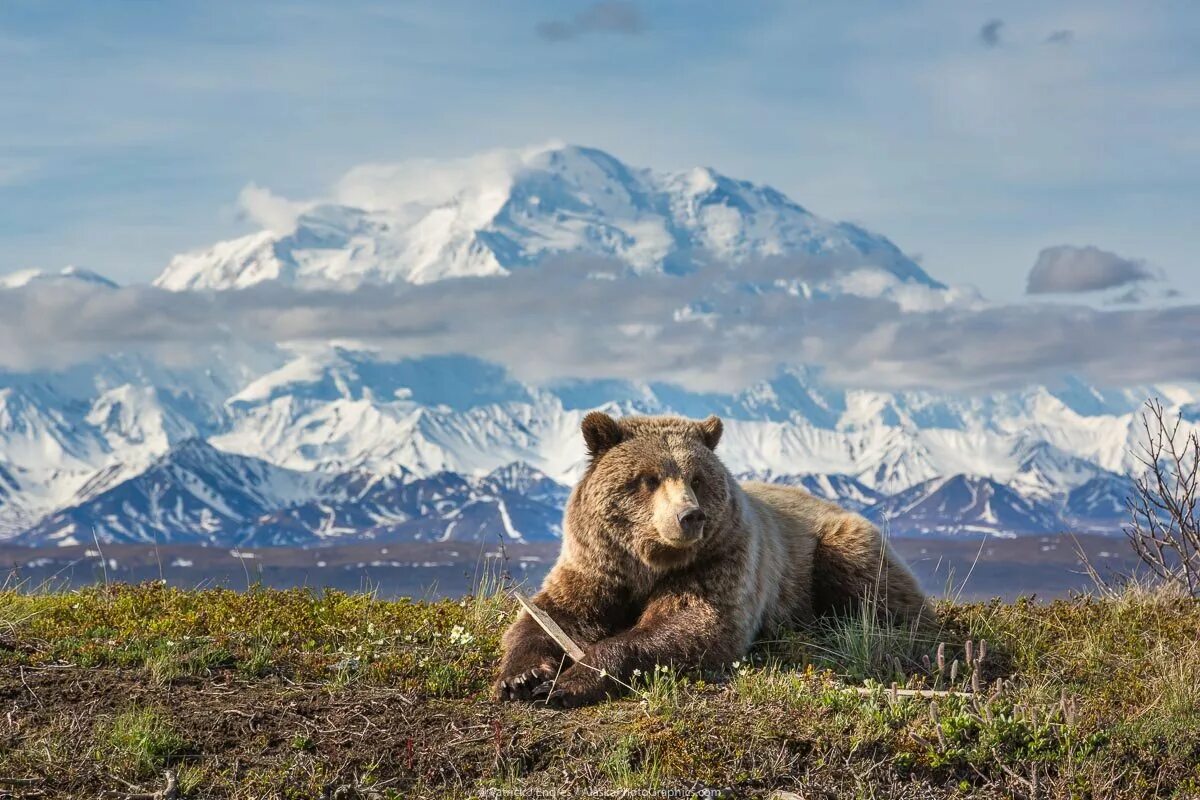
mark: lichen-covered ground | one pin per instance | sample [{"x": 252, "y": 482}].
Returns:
[{"x": 145, "y": 691}]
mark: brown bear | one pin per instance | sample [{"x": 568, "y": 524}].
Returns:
[{"x": 666, "y": 559}]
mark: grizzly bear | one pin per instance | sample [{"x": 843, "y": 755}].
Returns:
[{"x": 666, "y": 559}]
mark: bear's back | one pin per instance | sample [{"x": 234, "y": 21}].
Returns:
[
  {"x": 802, "y": 514},
  {"x": 786, "y": 524}
]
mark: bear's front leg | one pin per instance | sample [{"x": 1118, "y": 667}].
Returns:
[
  {"x": 683, "y": 628},
  {"x": 530, "y": 658},
  {"x": 585, "y": 610}
]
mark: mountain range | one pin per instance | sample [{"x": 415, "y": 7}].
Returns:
[{"x": 305, "y": 443}]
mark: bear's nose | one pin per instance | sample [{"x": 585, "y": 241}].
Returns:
[{"x": 692, "y": 521}]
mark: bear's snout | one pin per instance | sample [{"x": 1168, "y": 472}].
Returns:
[
  {"x": 691, "y": 522},
  {"x": 678, "y": 518}
]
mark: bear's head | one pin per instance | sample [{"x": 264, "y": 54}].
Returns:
[{"x": 655, "y": 485}]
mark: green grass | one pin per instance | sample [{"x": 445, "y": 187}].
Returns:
[
  {"x": 139, "y": 742},
  {"x": 305, "y": 694},
  {"x": 443, "y": 647}
]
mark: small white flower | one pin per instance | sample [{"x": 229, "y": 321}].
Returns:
[
  {"x": 459, "y": 635},
  {"x": 637, "y": 673}
]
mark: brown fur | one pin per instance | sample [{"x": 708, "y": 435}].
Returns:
[{"x": 642, "y": 581}]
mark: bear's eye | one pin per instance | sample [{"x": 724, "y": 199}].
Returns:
[
  {"x": 650, "y": 482},
  {"x": 696, "y": 483}
]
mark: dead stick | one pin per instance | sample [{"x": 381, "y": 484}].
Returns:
[
  {"x": 550, "y": 627},
  {"x": 907, "y": 692}
]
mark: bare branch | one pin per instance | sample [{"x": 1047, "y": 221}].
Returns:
[{"x": 1164, "y": 531}]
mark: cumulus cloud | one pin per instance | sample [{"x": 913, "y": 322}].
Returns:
[
  {"x": 1069, "y": 269},
  {"x": 712, "y": 330},
  {"x": 989, "y": 33},
  {"x": 263, "y": 207},
  {"x": 607, "y": 16}
]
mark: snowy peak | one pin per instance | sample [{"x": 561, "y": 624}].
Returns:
[
  {"x": 418, "y": 222},
  {"x": 197, "y": 493},
  {"x": 1045, "y": 471},
  {"x": 519, "y": 479},
  {"x": 365, "y": 426},
  {"x": 1102, "y": 503},
  {"x": 68, "y": 276},
  {"x": 455, "y": 382},
  {"x": 845, "y": 490},
  {"x": 193, "y": 493},
  {"x": 965, "y": 504}
]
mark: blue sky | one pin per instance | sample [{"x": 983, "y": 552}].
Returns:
[{"x": 972, "y": 134}]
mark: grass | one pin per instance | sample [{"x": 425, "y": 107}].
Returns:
[
  {"x": 324, "y": 694},
  {"x": 139, "y": 742}
]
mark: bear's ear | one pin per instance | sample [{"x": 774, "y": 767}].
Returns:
[
  {"x": 711, "y": 430},
  {"x": 600, "y": 433}
]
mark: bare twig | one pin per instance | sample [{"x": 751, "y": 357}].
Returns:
[
  {"x": 550, "y": 626},
  {"x": 897, "y": 692},
  {"x": 168, "y": 792},
  {"x": 1164, "y": 530},
  {"x": 103, "y": 562}
]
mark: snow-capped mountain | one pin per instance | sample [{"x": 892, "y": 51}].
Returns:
[
  {"x": 845, "y": 490},
  {"x": 1100, "y": 502},
  {"x": 193, "y": 493},
  {"x": 1044, "y": 470},
  {"x": 93, "y": 424},
  {"x": 196, "y": 493},
  {"x": 65, "y": 276},
  {"x": 381, "y": 464},
  {"x": 311, "y": 442},
  {"x": 509, "y": 210},
  {"x": 965, "y": 504}
]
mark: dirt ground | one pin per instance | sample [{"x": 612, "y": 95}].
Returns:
[
  {"x": 259, "y": 738},
  {"x": 276, "y": 739}
]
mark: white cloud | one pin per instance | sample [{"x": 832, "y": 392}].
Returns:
[
  {"x": 554, "y": 322},
  {"x": 272, "y": 212},
  {"x": 427, "y": 182}
]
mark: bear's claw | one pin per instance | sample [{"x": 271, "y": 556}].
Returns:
[
  {"x": 520, "y": 686},
  {"x": 557, "y": 697},
  {"x": 570, "y": 691}
]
